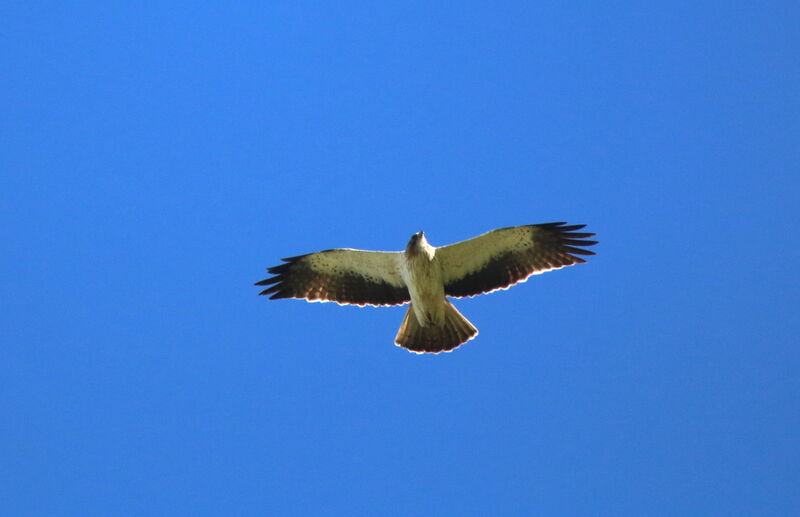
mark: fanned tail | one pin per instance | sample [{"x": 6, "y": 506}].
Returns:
[{"x": 456, "y": 330}]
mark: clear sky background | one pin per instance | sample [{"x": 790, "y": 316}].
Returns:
[{"x": 154, "y": 160}]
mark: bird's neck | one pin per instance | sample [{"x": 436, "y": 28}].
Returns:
[{"x": 421, "y": 251}]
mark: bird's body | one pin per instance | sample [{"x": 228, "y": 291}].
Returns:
[
  {"x": 425, "y": 276},
  {"x": 421, "y": 271}
]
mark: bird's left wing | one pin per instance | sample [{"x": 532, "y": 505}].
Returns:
[
  {"x": 344, "y": 276},
  {"x": 501, "y": 258}
]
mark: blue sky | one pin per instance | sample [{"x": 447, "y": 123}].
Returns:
[{"x": 156, "y": 159}]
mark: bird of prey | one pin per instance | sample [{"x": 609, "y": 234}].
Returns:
[{"x": 426, "y": 275}]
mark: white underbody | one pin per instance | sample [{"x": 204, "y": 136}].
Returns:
[{"x": 422, "y": 274}]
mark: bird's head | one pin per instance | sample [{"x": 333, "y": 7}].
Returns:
[{"x": 416, "y": 242}]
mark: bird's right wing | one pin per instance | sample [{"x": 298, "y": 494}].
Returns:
[
  {"x": 344, "y": 276},
  {"x": 501, "y": 258}
]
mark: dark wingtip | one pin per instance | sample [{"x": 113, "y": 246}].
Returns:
[
  {"x": 571, "y": 241},
  {"x": 270, "y": 280},
  {"x": 570, "y": 228},
  {"x": 579, "y": 251},
  {"x": 293, "y": 259},
  {"x": 578, "y": 242},
  {"x": 270, "y": 289},
  {"x": 277, "y": 270}
]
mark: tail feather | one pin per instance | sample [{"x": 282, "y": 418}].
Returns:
[{"x": 455, "y": 331}]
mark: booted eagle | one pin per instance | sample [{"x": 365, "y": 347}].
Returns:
[{"x": 426, "y": 275}]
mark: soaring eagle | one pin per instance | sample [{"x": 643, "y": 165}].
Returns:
[{"x": 425, "y": 275}]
